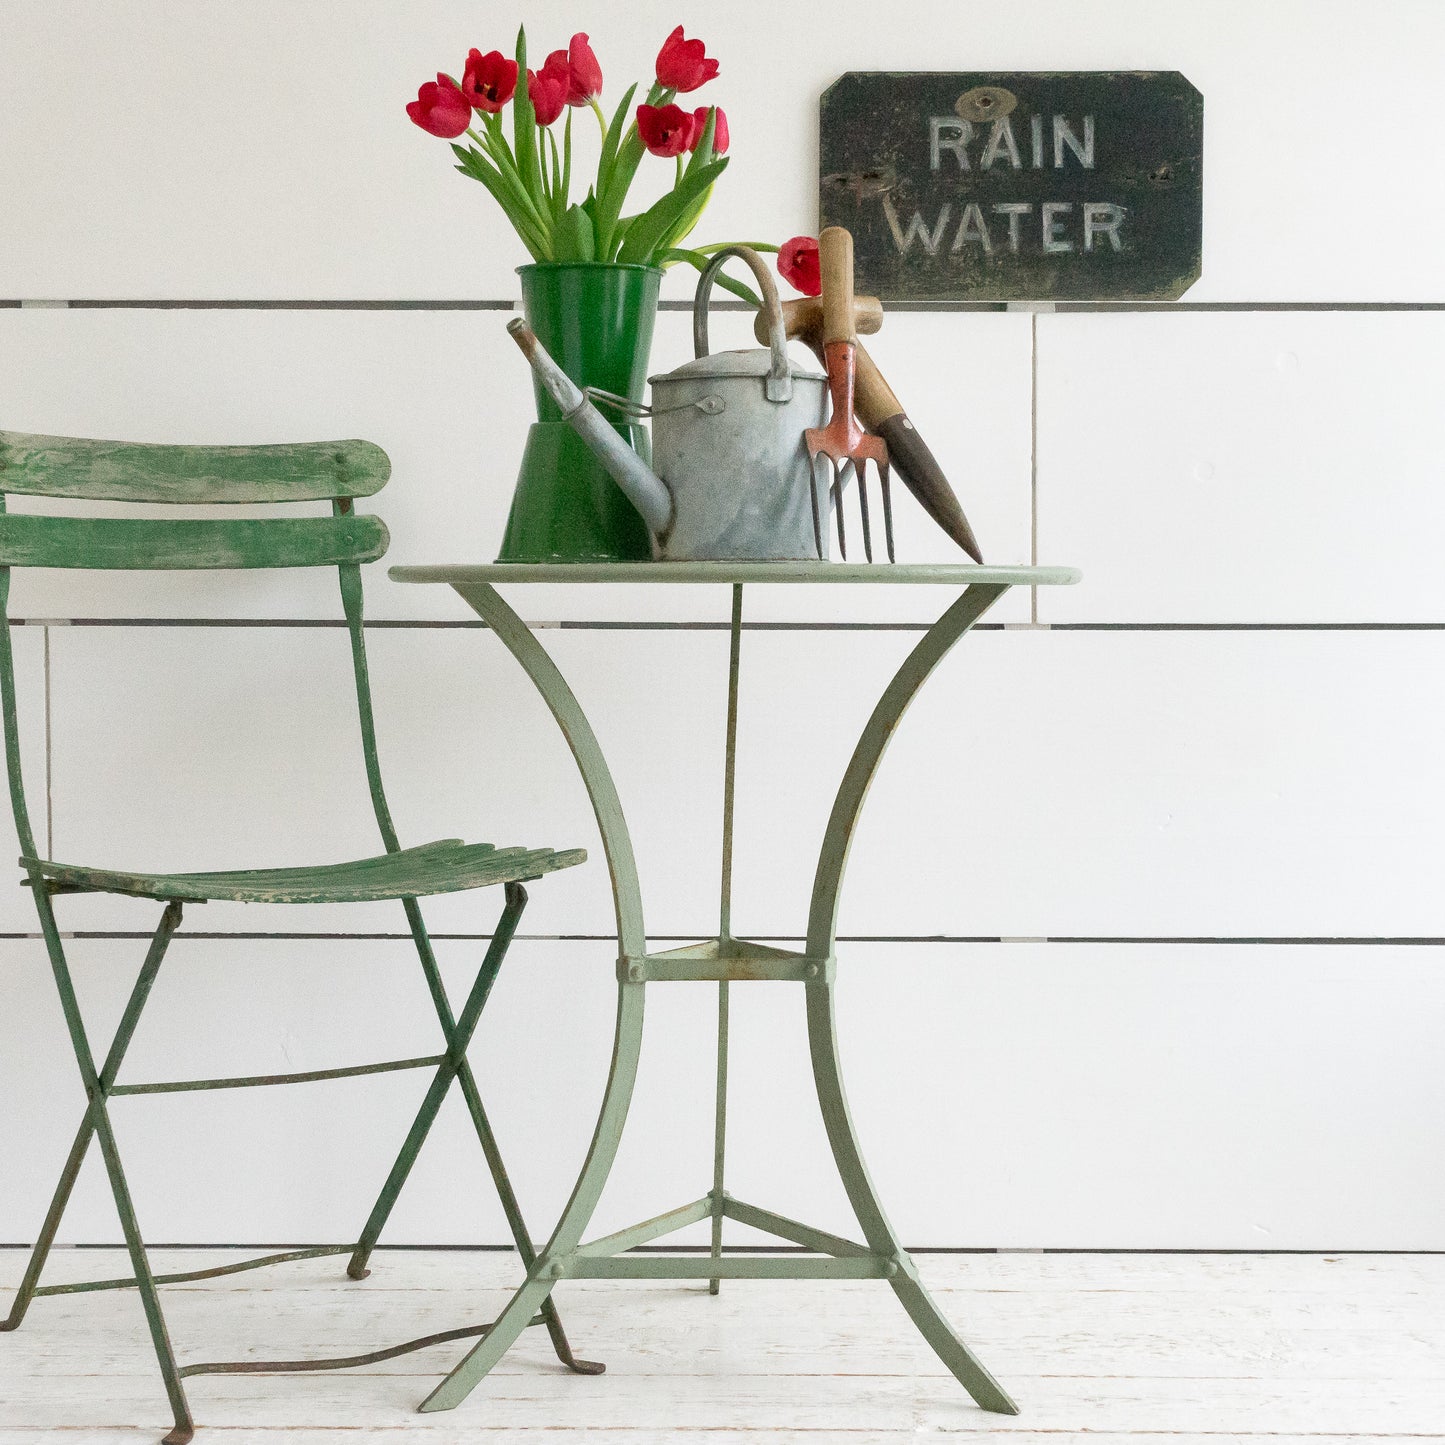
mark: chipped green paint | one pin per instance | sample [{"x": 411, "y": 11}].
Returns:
[
  {"x": 444, "y": 867},
  {"x": 144, "y": 472},
  {"x": 134, "y": 544},
  {"x": 943, "y": 574}
]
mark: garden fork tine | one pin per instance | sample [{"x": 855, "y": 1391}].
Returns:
[
  {"x": 817, "y": 514},
  {"x": 863, "y": 510},
  {"x": 843, "y": 440},
  {"x": 884, "y": 481}
]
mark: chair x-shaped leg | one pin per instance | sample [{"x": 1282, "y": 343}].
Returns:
[
  {"x": 99, "y": 1084},
  {"x": 458, "y": 1033},
  {"x": 96, "y": 1123}
]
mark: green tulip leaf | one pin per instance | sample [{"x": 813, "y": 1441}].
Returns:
[
  {"x": 613, "y": 139},
  {"x": 703, "y": 152},
  {"x": 471, "y": 159},
  {"x": 723, "y": 245},
  {"x": 559, "y": 188},
  {"x": 573, "y": 238},
  {"x": 475, "y": 165},
  {"x": 674, "y": 254},
  {"x": 650, "y": 231},
  {"x": 566, "y": 192},
  {"x": 524, "y": 130}
]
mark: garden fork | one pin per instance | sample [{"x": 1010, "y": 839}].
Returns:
[{"x": 843, "y": 440}]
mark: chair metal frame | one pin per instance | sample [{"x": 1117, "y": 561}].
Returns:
[{"x": 336, "y": 472}]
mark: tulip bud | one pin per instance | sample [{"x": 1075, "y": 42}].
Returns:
[
  {"x": 799, "y": 266},
  {"x": 547, "y": 90},
  {"x": 720, "y": 130},
  {"x": 683, "y": 65},
  {"x": 584, "y": 75},
  {"x": 440, "y": 108}
]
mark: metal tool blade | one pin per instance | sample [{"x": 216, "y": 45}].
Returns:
[
  {"x": 883, "y": 478},
  {"x": 921, "y": 473}
]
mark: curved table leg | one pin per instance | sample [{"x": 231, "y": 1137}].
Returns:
[
  {"x": 549, "y": 1267},
  {"x": 487, "y": 603},
  {"x": 822, "y": 1033},
  {"x": 543, "y": 1276}
]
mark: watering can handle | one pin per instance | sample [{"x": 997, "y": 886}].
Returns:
[{"x": 779, "y": 385}]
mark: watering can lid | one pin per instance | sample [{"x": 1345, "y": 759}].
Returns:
[{"x": 755, "y": 361}]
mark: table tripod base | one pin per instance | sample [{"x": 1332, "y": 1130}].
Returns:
[
  {"x": 728, "y": 960},
  {"x": 834, "y": 1257}
]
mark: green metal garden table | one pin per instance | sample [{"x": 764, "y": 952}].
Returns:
[{"x": 724, "y": 960}]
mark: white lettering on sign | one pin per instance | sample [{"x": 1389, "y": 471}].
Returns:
[
  {"x": 1063, "y": 226},
  {"x": 948, "y": 133},
  {"x": 1064, "y": 136},
  {"x": 1015, "y": 211},
  {"x": 972, "y": 228},
  {"x": 1001, "y": 139},
  {"x": 1050, "y": 211},
  {"x": 916, "y": 229},
  {"x": 1100, "y": 219}
]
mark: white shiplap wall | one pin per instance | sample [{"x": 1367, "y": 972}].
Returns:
[{"x": 1212, "y": 782}]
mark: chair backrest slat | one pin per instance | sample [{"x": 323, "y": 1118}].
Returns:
[
  {"x": 333, "y": 472},
  {"x": 133, "y": 544},
  {"x": 143, "y": 472}
]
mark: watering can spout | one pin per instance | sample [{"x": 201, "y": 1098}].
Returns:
[{"x": 643, "y": 487}]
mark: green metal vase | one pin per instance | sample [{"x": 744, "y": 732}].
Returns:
[{"x": 596, "y": 320}]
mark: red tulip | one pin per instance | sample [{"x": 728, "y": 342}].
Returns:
[
  {"x": 720, "y": 130},
  {"x": 440, "y": 108},
  {"x": 666, "y": 130},
  {"x": 489, "y": 81},
  {"x": 683, "y": 64},
  {"x": 584, "y": 75},
  {"x": 798, "y": 265},
  {"x": 547, "y": 89}
]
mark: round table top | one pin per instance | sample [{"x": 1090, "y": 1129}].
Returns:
[{"x": 959, "y": 574}]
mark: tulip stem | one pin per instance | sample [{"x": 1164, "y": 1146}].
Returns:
[
  {"x": 713, "y": 246},
  {"x": 496, "y": 145},
  {"x": 559, "y": 186},
  {"x": 512, "y": 195},
  {"x": 567, "y": 162}
]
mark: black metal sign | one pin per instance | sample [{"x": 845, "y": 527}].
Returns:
[{"x": 1016, "y": 186}]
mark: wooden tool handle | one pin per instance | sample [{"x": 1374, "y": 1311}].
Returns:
[
  {"x": 835, "y": 255},
  {"x": 803, "y": 318},
  {"x": 873, "y": 397}
]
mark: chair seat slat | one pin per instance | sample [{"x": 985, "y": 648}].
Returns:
[
  {"x": 146, "y": 472},
  {"x": 127, "y": 543},
  {"x": 410, "y": 873},
  {"x": 359, "y": 866}
]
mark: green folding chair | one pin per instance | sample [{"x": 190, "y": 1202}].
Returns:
[{"x": 334, "y": 472}]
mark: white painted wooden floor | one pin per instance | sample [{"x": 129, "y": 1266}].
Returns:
[{"x": 1140, "y": 1349}]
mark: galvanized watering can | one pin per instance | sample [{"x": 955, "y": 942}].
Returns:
[{"x": 734, "y": 479}]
